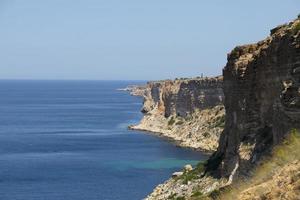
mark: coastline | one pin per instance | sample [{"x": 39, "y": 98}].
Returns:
[
  {"x": 187, "y": 112},
  {"x": 178, "y": 143},
  {"x": 261, "y": 115},
  {"x": 258, "y": 152},
  {"x": 200, "y": 131}
]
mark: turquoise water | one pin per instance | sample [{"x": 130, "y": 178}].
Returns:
[{"x": 68, "y": 140}]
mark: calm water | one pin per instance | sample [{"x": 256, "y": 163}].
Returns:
[{"x": 68, "y": 140}]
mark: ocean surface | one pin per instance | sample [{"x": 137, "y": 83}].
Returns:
[{"x": 68, "y": 140}]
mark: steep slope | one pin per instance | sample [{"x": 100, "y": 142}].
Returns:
[
  {"x": 276, "y": 177},
  {"x": 189, "y": 111},
  {"x": 262, "y": 102},
  {"x": 261, "y": 86}
]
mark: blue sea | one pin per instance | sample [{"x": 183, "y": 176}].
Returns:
[{"x": 68, "y": 140}]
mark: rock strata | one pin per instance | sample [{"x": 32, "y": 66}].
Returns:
[
  {"x": 188, "y": 111},
  {"x": 262, "y": 102},
  {"x": 262, "y": 90}
]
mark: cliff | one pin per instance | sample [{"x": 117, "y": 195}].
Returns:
[
  {"x": 262, "y": 90},
  {"x": 188, "y": 111},
  {"x": 182, "y": 97},
  {"x": 262, "y": 103}
]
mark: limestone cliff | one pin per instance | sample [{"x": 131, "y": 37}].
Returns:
[
  {"x": 182, "y": 97},
  {"x": 262, "y": 90},
  {"x": 189, "y": 111},
  {"x": 262, "y": 103}
]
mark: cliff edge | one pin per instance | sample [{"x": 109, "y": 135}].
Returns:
[
  {"x": 188, "y": 111},
  {"x": 262, "y": 103},
  {"x": 262, "y": 90}
]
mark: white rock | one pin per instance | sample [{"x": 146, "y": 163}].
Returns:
[
  {"x": 188, "y": 168},
  {"x": 176, "y": 174}
]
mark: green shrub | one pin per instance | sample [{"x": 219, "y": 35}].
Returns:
[
  {"x": 215, "y": 194},
  {"x": 179, "y": 123},
  {"x": 193, "y": 174},
  {"x": 189, "y": 118},
  {"x": 171, "y": 121},
  {"x": 282, "y": 154},
  {"x": 197, "y": 194},
  {"x": 172, "y": 196}
]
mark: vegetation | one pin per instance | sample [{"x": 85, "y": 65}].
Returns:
[
  {"x": 197, "y": 194},
  {"x": 171, "y": 121},
  {"x": 172, "y": 196},
  {"x": 282, "y": 155},
  {"x": 179, "y": 123},
  {"x": 189, "y": 118},
  {"x": 219, "y": 122},
  {"x": 193, "y": 174},
  {"x": 206, "y": 134},
  {"x": 215, "y": 194}
]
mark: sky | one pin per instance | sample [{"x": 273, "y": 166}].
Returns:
[{"x": 132, "y": 39}]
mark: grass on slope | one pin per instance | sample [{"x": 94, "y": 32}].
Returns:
[{"x": 278, "y": 177}]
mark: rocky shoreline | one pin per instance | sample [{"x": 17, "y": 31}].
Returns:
[
  {"x": 170, "y": 112},
  {"x": 256, "y": 144},
  {"x": 188, "y": 133}
]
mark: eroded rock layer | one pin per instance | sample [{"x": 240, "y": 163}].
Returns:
[
  {"x": 262, "y": 90},
  {"x": 262, "y": 102},
  {"x": 183, "y": 96},
  {"x": 189, "y": 111}
]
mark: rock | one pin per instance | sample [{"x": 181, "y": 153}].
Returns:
[
  {"x": 183, "y": 97},
  {"x": 176, "y": 174},
  {"x": 174, "y": 108},
  {"x": 135, "y": 90},
  {"x": 262, "y": 90},
  {"x": 188, "y": 168},
  {"x": 262, "y": 98}
]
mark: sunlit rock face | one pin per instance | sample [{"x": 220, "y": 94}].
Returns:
[
  {"x": 262, "y": 97},
  {"x": 183, "y": 96},
  {"x": 187, "y": 111}
]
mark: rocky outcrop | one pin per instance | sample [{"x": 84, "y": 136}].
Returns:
[
  {"x": 284, "y": 184},
  {"x": 135, "y": 90},
  {"x": 276, "y": 176},
  {"x": 262, "y": 103},
  {"x": 189, "y": 111},
  {"x": 262, "y": 90},
  {"x": 182, "y": 97}
]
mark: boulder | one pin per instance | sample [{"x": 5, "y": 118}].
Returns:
[
  {"x": 188, "y": 168},
  {"x": 176, "y": 174}
]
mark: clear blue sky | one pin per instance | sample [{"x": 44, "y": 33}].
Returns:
[{"x": 130, "y": 39}]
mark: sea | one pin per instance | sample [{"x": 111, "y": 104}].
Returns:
[{"x": 68, "y": 140}]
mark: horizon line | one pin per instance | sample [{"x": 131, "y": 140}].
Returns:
[{"x": 27, "y": 79}]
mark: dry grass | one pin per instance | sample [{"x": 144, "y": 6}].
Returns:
[{"x": 278, "y": 177}]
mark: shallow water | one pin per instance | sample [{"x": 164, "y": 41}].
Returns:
[{"x": 68, "y": 140}]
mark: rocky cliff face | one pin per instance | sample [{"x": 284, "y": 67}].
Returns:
[
  {"x": 262, "y": 90},
  {"x": 262, "y": 102},
  {"x": 183, "y": 96},
  {"x": 189, "y": 111}
]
